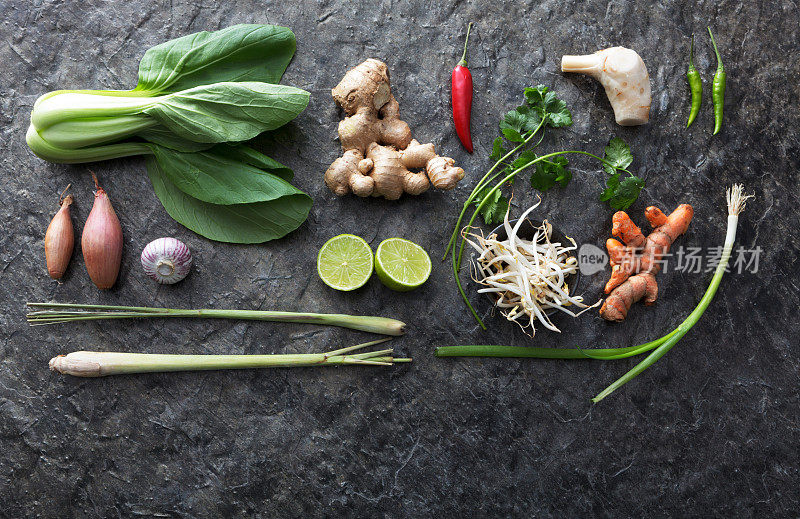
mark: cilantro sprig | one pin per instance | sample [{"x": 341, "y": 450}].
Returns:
[
  {"x": 620, "y": 193},
  {"x": 515, "y": 150}
]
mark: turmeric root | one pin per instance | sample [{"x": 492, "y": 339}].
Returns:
[
  {"x": 379, "y": 153},
  {"x": 636, "y": 263}
]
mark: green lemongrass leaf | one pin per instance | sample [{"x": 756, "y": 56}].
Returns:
[
  {"x": 77, "y": 312},
  {"x": 240, "y": 223},
  {"x": 223, "y": 112},
  {"x": 237, "y": 53},
  {"x": 618, "y": 153},
  {"x": 220, "y": 178}
]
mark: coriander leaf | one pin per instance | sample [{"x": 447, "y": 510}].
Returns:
[
  {"x": 558, "y": 115},
  {"x": 495, "y": 208},
  {"x": 546, "y": 104},
  {"x": 618, "y": 153},
  {"x": 621, "y": 194},
  {"x": 511, "y": 134},
  {"x": 535, "y": 95},
  {"x": 524, "y": 158},
  {"x": 520, "y": 123},
  {"x": 612, "y": 184},
  {"x": 498, "y": 151},
  {"x": 548, "y": 173}
]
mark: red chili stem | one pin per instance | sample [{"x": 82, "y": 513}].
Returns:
[{"x": 463, "y": 61}]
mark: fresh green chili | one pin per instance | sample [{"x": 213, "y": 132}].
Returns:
[
  {"x": 695, "y": 85},
  {"x": 718, "y": 89}
]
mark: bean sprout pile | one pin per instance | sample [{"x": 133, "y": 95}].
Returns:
[{"x": 527, "y": 277}]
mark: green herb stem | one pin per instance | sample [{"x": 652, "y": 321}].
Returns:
[{"x": 482, "y": 183}]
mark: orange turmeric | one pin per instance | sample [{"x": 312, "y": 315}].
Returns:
[{"x": 635, "y": 264}]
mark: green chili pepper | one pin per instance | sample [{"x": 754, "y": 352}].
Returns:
[
  {"x": 718, "y": 89},
  {"x": 695, "y": 85}
]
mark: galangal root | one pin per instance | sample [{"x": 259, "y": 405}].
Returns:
[
  {"x": 636, "y": 263},
  {"x": 379, "y": 152},
  {"x": 624, "y": 76}
]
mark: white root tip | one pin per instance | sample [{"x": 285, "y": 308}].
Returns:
[
  {"x": 736, "y": 199},
  {"x": 78, "y": 364}
]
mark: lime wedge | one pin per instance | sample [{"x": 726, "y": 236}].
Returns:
[
  {"x": 345, "y": 262},
  {"x": 402, "y": 265}
]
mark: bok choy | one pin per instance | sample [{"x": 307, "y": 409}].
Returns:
[{"x": 198, "y": 97}]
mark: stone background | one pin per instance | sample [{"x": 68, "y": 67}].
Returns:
[{"x": 711, "y": 430}]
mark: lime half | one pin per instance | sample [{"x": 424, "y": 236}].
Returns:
[
  {"x": 345, "y": 262},
  {"x": 402, "y": 265}
]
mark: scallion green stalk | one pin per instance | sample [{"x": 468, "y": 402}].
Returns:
[{"x": 736, "y": 203}]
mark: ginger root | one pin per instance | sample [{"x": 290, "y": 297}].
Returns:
[
  {"x": 636, "y": 263},
  {"x": 379, "y": 153}
]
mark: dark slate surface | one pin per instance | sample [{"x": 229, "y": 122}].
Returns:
[{"x": 710, "y": 431}]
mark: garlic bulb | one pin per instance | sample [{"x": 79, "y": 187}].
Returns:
[{"x": 166, "y": 260}]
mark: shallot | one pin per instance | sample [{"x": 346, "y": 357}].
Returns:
[
  {"x": 102, "y": 241},
  {"x": 59, "y": 240}
]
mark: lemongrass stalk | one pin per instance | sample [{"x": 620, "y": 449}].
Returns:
[
  {"x": 736, "y": 203},
  {"x": 103, "y": 363},
  {"x": 56, "y": 313}
]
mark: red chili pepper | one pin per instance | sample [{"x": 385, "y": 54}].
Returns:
[{"x": 462, "y": 97}]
